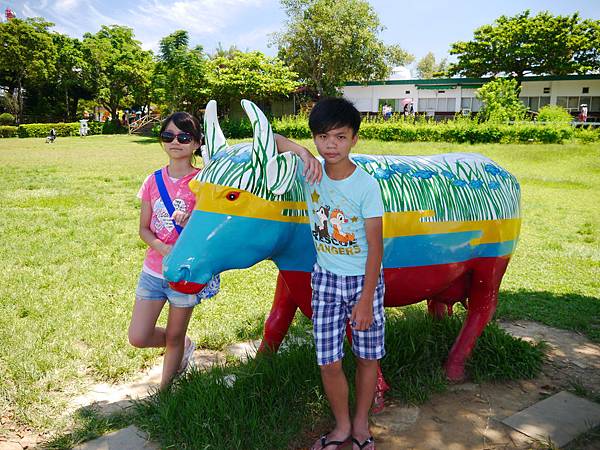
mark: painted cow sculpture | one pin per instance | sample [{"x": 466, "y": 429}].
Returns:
[{"x": 450, "y": 225}]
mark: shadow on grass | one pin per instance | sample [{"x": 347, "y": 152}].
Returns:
[
  {"x": 145, "y": 140},
  {"x": 204, "y": 411},
  {"x": 573, "y": 312}
]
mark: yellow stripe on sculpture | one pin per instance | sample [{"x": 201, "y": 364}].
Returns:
[{"x": 214, "y": 198}]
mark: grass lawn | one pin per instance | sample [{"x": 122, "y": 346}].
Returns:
[{"x": 72, "y": 256}]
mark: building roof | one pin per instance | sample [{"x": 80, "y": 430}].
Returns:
[{"x": 449, "y": 83}]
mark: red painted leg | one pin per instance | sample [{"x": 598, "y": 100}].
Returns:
[
  {"x": 438, "y": 310},
  {"x": 380, "y": 390},
  {"x": 483, "y": 298},
  {"x": 280, "y": 317}
]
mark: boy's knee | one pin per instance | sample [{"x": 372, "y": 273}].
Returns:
[
  {"x": 331, "y": 369},
  {"x": 366, "y": 363}
]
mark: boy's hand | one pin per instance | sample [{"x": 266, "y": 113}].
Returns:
[
  {"x": 313, "y": 170},
  {"x": 362, "y": 314},
  {"x": 180, "y": 218}
]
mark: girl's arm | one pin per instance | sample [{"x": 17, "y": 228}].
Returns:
[
  {"x": 146, "y": 233},
  {"x": 313, "y": 170}
]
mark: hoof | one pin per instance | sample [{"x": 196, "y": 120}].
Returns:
[{"x": 455, "y": 373}]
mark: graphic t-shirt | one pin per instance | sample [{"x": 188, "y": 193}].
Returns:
[
  {"x": 337, "y": 211},
  {"x": 183, "y": 199}
]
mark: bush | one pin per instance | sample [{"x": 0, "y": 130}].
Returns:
[
  {"x": 500, "y": 100},
  {"x": 554, "y": 114},
  {"x": 43, "y": 129},
  {"x": 7, "y": 119},
  {"x": 236, "y": 128},
  {"x": 113, "y": 127},
  {"x": 7, "y": 131},
  {"x": 587, "y": 135}
]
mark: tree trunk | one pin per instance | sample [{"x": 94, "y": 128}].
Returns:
[
  {"x": 19, "y": 101},
  {"x": 67, "y": 104}
]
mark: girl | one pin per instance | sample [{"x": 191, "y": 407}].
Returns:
[{"x": 181, "y": 137}]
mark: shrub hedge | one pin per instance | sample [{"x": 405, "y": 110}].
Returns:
[
  {"x": 460, "y": 130},
  {"x": 67, "y": 129},
  {"x": 7, "y": 119},
  {"x": 7, "y": 131}
]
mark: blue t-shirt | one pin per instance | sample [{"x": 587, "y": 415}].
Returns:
[{"x": 337, "y": 211}]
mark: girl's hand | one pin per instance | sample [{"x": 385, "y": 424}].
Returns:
[
  {"x": 313, "y": 170},
  {"x": 180, "y": 217},
  {"x": 362, "y": 315},
  {"x": 163, "y": 249}
]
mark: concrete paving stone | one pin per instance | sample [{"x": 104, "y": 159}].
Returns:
[
  {"x": 7, "y": 445},
  {"x": 559, "y": 419},
  {"x": 244, "y": 350},
  {"x": 130, "y": 438}
]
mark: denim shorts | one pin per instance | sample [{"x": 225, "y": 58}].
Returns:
[
  {"x": 153, "y": 288},
  {"x": 333, "y": 297}
]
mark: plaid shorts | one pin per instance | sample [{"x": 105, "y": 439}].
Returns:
[{"x": 333, "y": 298}]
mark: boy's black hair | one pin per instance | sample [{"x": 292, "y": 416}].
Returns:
[
  {"x": 185, "y": 122},
  {"x": 333, "y": 112}
]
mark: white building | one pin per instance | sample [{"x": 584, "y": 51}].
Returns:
[{"x": 441, "y": 97}]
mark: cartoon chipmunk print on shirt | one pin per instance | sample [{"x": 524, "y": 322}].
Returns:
[
  {"x": 321, "y": 229},
  {"x": 338, "y": 219}
]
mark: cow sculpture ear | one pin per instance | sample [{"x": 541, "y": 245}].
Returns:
[
  {"x": 263, "y": 146},
  {"x": 281, "y": 172},
  {"x": 214, "y": 138}
]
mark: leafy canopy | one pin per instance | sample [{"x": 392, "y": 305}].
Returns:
[
  {"x": 179, "y": 81},
  {"x": 121, "y": 69},
  {"x": 330, "y": 42},
  {"x": 524, "y": 44}
]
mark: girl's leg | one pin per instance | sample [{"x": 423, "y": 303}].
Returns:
[
  {"x": 143, "y": 331},
  {"x": 177, "y": 325}
]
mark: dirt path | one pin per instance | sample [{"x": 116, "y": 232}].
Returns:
[{"x": 469, "y": 416}]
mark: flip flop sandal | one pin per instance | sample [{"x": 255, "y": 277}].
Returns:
[
  {"x": 340, "y": 444},
  {"x": 365, "y": 443}
]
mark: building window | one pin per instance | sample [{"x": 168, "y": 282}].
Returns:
[
  {"x": 535, "y": 103},
  {"x": 585, "y": 90},
  {"x": 441, "y": 92},
  {"x": 470, "y": 104},
  {"x": 573, "y": 104},
  {"x": 407, "y": 92},
  {"x": 547, "y": 90}
]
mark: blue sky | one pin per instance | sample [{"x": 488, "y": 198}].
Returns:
[{"x": 418, "y": 26}]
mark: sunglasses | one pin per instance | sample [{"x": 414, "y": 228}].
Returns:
[{"x": 182, "y": 138}]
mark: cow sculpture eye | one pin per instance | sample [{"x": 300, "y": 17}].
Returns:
[{"x": 231, "y": 196}]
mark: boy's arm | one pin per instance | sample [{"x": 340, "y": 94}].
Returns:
[
  {"x": 313, "y": 170},
  {"x": 362, "y": 313}
]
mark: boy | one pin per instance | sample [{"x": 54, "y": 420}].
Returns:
[{"x": 345, "y": 211}]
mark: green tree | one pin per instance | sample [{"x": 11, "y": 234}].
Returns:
[
  {"x": 73, "y": 73},
  {"x": 121, "y": 70},
  {"x": 500, "y": 100},
  {"x": 525, "y": 44},
  {"x": 28, "y": 56},
  {"x": 249, "y": 75},
  {"x": 330, "y": 42},
  {"x": 179, "y": 81},
  {"x": 427, "y": 67}
]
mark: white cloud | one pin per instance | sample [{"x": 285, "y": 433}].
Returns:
[{"x": 244, "y": 23}]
